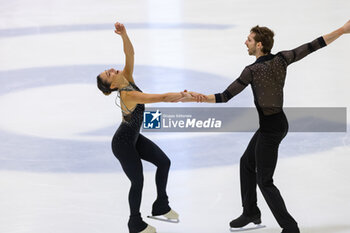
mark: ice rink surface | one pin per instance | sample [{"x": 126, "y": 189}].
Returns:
[{"x": 57, "y": 171}]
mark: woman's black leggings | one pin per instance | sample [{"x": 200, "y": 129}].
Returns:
[
  {"x": 130, "y": 154},
  {"x": 257, "y": 167}
]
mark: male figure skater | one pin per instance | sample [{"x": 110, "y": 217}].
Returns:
[{"x": 266, "y": 77}]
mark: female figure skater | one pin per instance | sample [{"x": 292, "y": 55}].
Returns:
[{"x": 129, "y": 146}]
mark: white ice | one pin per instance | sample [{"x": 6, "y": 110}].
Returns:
[{"x": 55, "y": 126}]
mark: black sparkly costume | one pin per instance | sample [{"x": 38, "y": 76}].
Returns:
[
  {"x": 257, "y": 165},
  {"x": 129, "y": 146}
]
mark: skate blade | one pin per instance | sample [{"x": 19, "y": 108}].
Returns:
[
  {"x": 247, "y": 228},
  {"x": 159, "y": 218}
]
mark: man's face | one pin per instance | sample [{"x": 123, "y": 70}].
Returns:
[{"x": 251, "y": 44}]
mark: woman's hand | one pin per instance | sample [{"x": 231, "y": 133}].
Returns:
[
  {"x": 192, "y": 97},
  {"x": 119, "y": 28},
  {"x": 198, "y": 96},
  {"x": 185, "y": 97}
]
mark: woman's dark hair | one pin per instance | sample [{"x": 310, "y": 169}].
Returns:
[
  {"x": 104, "y": 87},
  {"x": 265, "y": 36}
]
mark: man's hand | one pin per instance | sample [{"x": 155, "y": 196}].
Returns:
[
  {"x": 346, "y": 27},
  {"x": 187, "y": 97},
  {"x": 119, "y": 28},
  {"x": 198, "y": 96},
  {"x": 191, "y": 97}
]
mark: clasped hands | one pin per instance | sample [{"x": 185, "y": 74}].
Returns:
[{"x": 190, "y": 96}]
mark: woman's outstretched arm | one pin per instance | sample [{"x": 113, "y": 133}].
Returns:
[
  {"x": 145, "y": 98},
  {"x": 128, "y": 51}
]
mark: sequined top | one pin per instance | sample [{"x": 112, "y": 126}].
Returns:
[
  {"x": 267, "y": 76},
  {"x": 132, "y": 118}
]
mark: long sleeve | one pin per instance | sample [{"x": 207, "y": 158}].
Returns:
[
  {"x": 236, "y": 87},
  {"x": 302, "y": 51}
]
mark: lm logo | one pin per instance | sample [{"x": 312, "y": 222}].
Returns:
[{"x": 152, "y": 120}]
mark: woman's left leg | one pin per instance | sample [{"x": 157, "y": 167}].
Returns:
[{"x": 150, "y": 152}]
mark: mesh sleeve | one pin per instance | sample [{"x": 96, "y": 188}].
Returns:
[
  {"x": 236, "y": 87},
  {"x": 302, "y": 51}
]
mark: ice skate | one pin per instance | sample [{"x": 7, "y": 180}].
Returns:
[
  {"x": 247, "y": 228},
  {"x": 244, "y": 223},
  {"x": 149, "y": 229},
  {"x": 292, "y": 230},
  {"x": 171, "y": 217}
]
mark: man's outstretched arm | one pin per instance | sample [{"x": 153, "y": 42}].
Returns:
[
  {"x": 302, "y": 51},
  {"x": 232, "y": 90},
  {"x": 329, "y": 38}
]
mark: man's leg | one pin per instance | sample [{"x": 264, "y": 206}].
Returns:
[{"x": 266, "y": 159}]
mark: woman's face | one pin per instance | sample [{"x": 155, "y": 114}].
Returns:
[{"x": 110, "y": 76}]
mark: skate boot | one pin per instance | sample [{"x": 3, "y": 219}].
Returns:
[
  {"x": 291, "y": 230},
  {"x": 149, "y": 229},
  {"x": 137, "y": 225},
  {"x": 171, "y": 217},
  {"x": 240, "y": 223},
  {"x": 162, "y": 211}
]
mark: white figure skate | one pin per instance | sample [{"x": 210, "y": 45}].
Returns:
[{"x": 171, "y": 217}]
